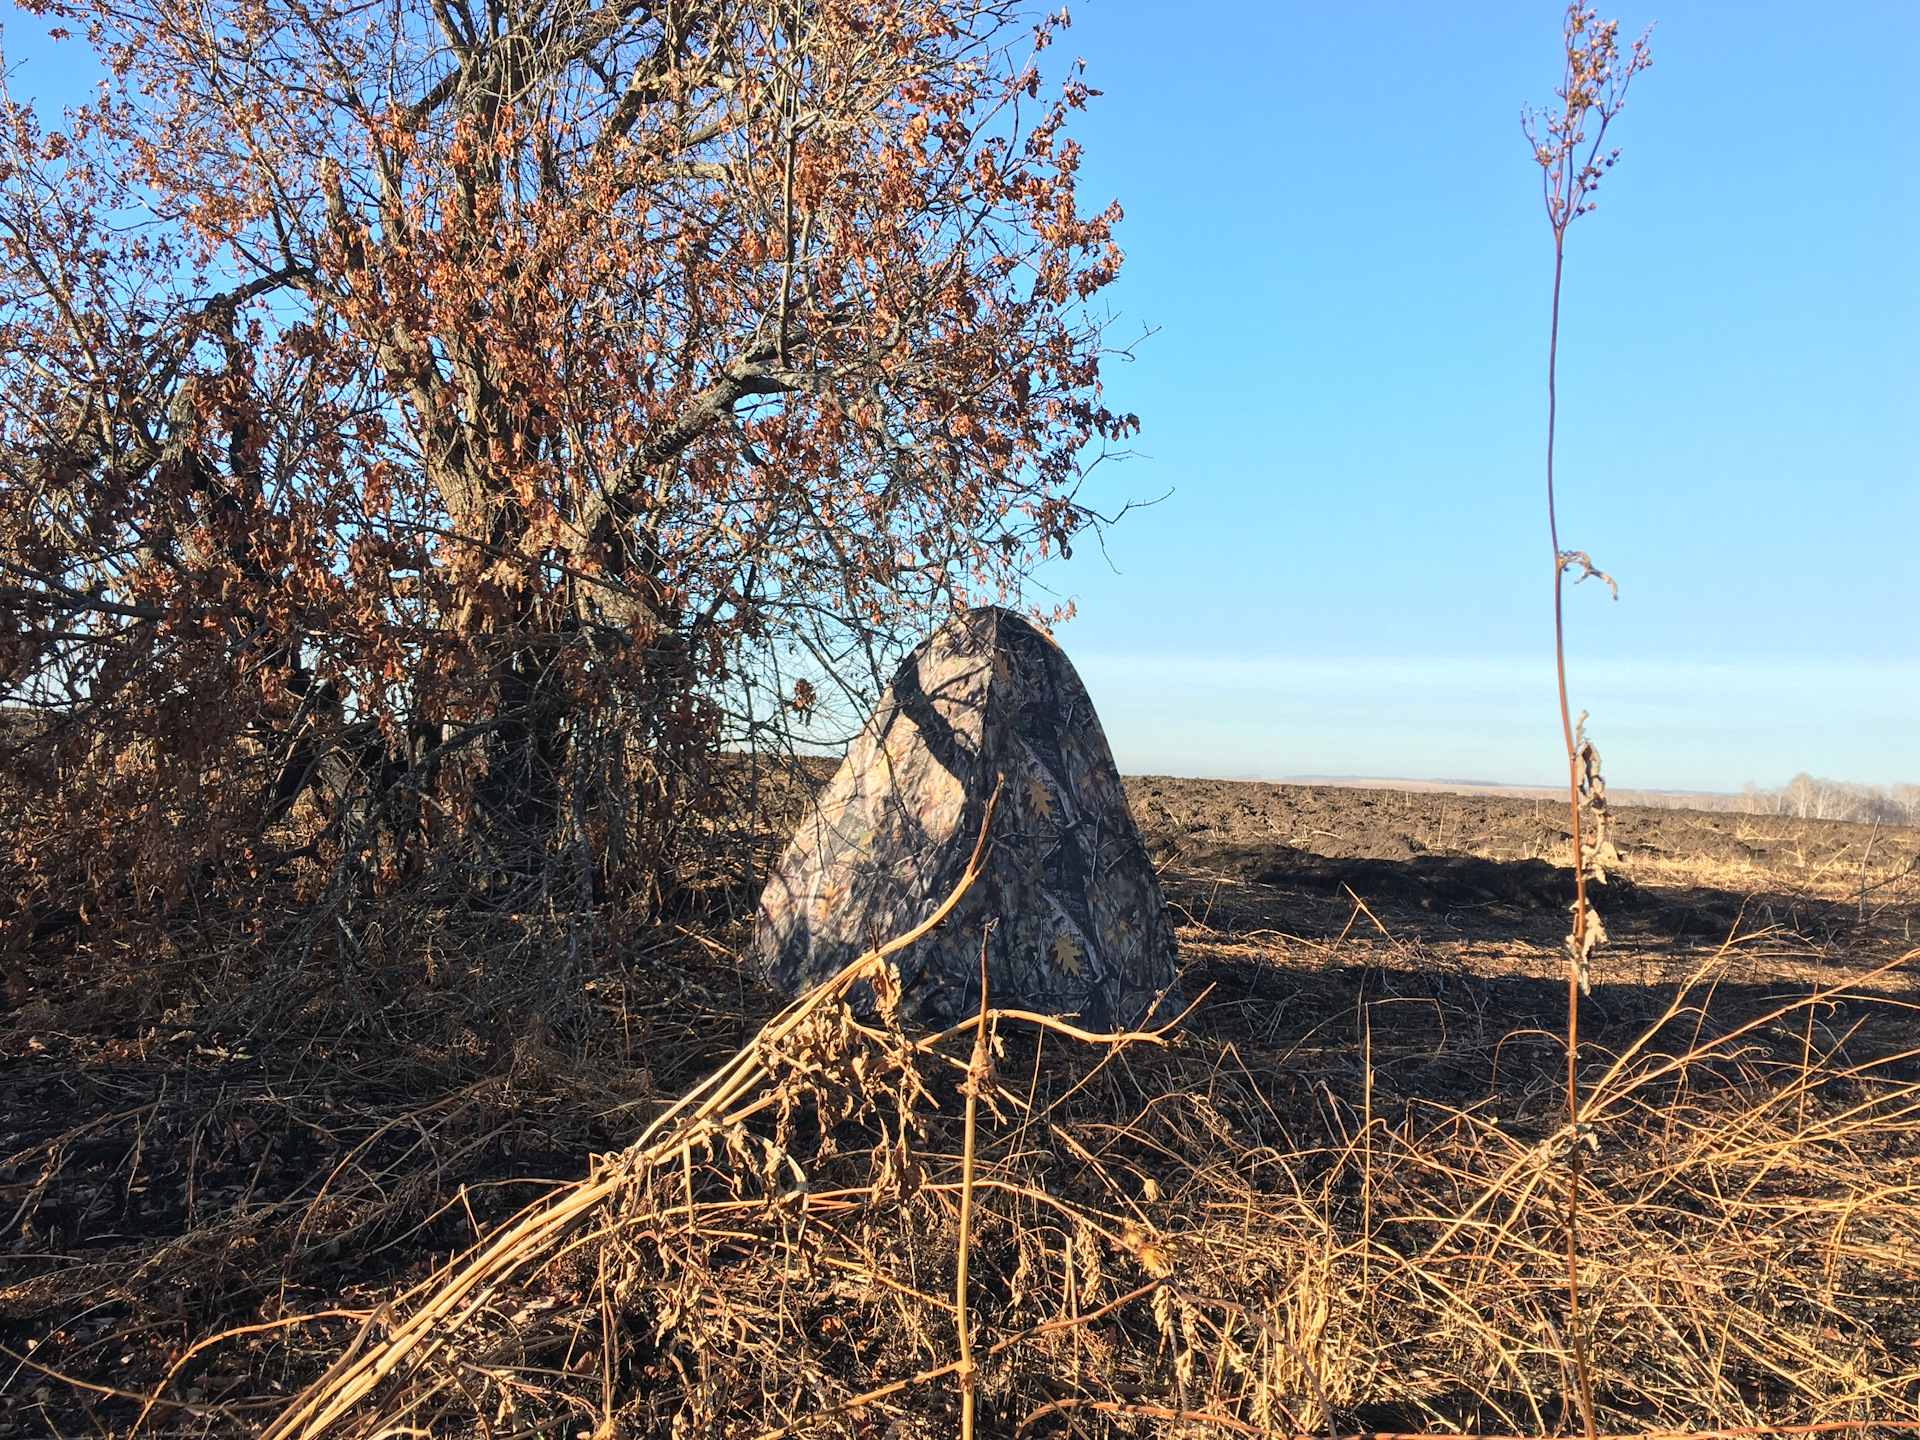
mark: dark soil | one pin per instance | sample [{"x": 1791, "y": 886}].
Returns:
[
  {"x": 1294, "y": 859},
  {"x": 1202, "y": 819}
]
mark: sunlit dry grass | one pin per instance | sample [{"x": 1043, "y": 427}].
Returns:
[
  {"x": 1331, "y": 1198},
  {"x": 1195, "y": 1230}
]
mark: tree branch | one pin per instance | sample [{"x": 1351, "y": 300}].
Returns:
[{"x": 60, "y": 597}]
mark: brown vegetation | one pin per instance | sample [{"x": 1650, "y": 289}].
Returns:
[
  {"x": 1324, "y": 1199},
  {"x": 430, "y": 432}
]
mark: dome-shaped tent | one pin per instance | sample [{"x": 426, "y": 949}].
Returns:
[{"x": 1078, "y": 924}]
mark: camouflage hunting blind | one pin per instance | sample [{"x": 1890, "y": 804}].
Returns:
[{"x": 1078, "y": 926}]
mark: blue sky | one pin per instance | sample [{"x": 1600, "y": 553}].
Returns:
[
  {"x": 1334, "y": 231},
  {"x": 1334, "y": 227}
]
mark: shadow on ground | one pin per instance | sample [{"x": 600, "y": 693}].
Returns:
[{"x": 1292, "y": 891}]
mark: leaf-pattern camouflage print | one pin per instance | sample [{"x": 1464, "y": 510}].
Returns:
[{"x": 1078, "y": 925}]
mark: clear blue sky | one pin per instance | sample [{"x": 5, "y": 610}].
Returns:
[
  {"x": 1334, "y": 229},
  {"x": 1334, "y": 226}
]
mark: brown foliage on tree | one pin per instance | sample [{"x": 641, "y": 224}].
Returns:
[{"x": 424, "y": 423}]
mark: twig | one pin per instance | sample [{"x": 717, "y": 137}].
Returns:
[
  {"x": 195, "y": 1410},
  {"x": 979, "y": 1076}
]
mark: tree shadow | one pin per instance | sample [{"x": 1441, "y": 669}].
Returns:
[
  {"x": 1434, "y": 898},
  {"x": 1453, "y": 970}
]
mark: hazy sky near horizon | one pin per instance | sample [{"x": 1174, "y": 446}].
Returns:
[{"x": 1334, "y": 232}]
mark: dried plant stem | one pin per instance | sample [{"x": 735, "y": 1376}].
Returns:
[
  {"x": 1592, "y": 84},
  {"x": 1559, "y": 629},
  {"x": 1366, "y": 1135},
  {"x": 979, "y": 1074},
  {"x": 1572, "y": 1216}
]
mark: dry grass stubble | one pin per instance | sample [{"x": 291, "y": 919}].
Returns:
[
  {"x": 1326, "y": 1201},
  {"x": 1191, "y": 1229}
]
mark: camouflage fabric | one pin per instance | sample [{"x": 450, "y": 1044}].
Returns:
[{"x": 1078, "y": 925}]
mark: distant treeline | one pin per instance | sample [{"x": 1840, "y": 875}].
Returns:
[
  {"x": 1805, "y": 797},
  {"x": 1809, "y": 798}
]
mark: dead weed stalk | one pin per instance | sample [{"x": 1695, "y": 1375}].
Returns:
[{"x": 1592, "y": 90}]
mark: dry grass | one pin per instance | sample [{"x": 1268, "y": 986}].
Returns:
[
  {"x": 1329, "y": 1200},
  {"x": 1157, "y": 1240}
]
